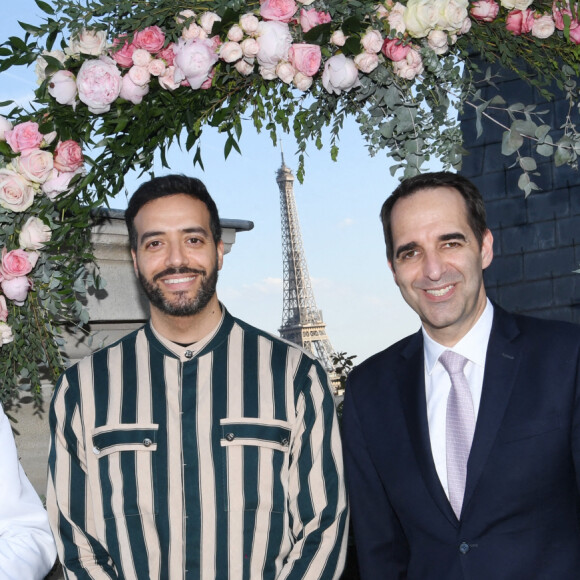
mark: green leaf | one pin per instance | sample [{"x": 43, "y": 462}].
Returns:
[
  {"x": 528, "y": 163},
  {"x": 511, "y": 142}
]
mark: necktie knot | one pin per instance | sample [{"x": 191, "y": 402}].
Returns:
[{"x": 452, "y": 362}]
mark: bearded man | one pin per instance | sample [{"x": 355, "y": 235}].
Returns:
[{"x": 197, "y": 446}]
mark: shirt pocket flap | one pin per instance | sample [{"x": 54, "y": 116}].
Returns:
[
  {"x": 124, "y": 437},
  {"x": 270, "y": 433}
]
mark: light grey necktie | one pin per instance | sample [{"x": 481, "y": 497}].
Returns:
[{"x": 459, "y": 427}]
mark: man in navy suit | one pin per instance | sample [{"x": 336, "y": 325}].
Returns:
[{"x": 468, "y": 474}]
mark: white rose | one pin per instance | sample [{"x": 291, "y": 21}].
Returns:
[
  {"x": 91, "y": 42},
  {"x": 139, "y": 75},
  {"x": 437, "y": 41},
  {"x": 157, "y": 67},
  {"x": 274, "y": 39},
  {"x": 250, "y": 47},
  {"x": 16, "y": 192},
  {"x": 340, "y": 74},
  {"x": 543, "y": 27},
  {"x": 167, "y": 81},
  {"x": 306, "y": 2},
  {"x": 41, "y": 64},
  {"x": 5, "y": 333},
  {"x": 207, "y": 20},
  {"x": 516, "y": 4},
  {"x": 184, "y": 15},
  {"x": 372, "y": 41},
  {"x": 62, "y": 86},
  {"x": 59, "y": 183},
  {"x": 5, "y": 125},
  {"x": 35, "y": 165},
  {"x": 34, "y": 234},
  {"x": 235, "y": 33},
  {"x": 302, "y": 82},
  {"x": 338, "y": 38},
  {"x": 285, "y": 72},
  {"x": 249, "y": 23},
  {"x": 244, "y": 67},
  {"x": 421, "y": 17},
  {"x": 193, "y": 32},
  {"x": 396, "y": 18},
  {"x": 410, "y": 66},
  {"x": 366, "y": 62},
  {"x": 268, "y": 73},
  {"x": 141, "y": 57},
  {"x": 452, "y": 14},
  {"x": 230, "y": 51}
]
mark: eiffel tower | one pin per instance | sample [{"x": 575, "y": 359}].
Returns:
[{"x": 302, "y": 322}]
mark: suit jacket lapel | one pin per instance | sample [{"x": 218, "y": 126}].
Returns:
[
  {"x": 412, "y": 393},
  {"x": 501, "y": 365}
]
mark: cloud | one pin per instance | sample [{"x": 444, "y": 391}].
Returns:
[{"x": 345, "y": 223}]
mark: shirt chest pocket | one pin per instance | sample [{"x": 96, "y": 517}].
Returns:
[
  {"x": 126, "y": 463},
  {"x": 255, "y": 454}
]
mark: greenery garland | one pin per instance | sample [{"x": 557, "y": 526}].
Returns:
[{"x": 121, "y": 80}]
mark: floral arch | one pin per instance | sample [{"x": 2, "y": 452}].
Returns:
[{"x": 120, "y": 80}]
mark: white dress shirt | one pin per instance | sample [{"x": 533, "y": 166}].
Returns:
[
  {"x": 472, "y": 346},
  {"x": 27, "y": 549}
]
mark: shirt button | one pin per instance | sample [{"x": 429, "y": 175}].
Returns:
[
  {"x": 230, "y": 436},
  {"x": 96, "y": 450},
  {"x": 464, "y": 547},
  {"x": 147, "y": 442},
  {"x": 188, "y": 354}
]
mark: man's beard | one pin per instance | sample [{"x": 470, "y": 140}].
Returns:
[{"x": 182, "y": 306}]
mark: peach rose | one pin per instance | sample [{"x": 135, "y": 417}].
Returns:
[
  {"x": 34, "y": 234},
  {"x": 366, "y": 62},
  {"x": 302, "y": 82},
  {"x": 235, "y": 33},
  {"x": 16, "y": 192},
  {"x": 250, "y": 47},
  {"x": 207, "y": 21},
  {"x": 372, "y": 41},
  {"x": 35, "y": 165},
  {"x": 167, "y": 81},
  {"x": 141, "y": 57},
  {"x": 230, "y": 51},
  {"x": 244, "y": 67},
  {"x": 139, "y": 75},
  {"x": 68, "y": 156},
  {"x": 249, "y": 23}
]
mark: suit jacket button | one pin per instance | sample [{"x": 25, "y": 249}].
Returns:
[{"x": 464, "y": 547}]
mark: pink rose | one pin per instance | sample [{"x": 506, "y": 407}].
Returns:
[
  {"x": 519, "y": 21},
  {"x": 410, "y": 66},
  {"x": 193, "y": 32},
  {"x": 235, "y": 33},
  {"x": 99, "y": 84},
  {"x": 396, "y": 18},
  {"x": 249, "y": 23},
  {"x": 302, "y": 82},
  {"x": 207, "y": 21},
  {"x": 230, "y": 51},
  {"x": 24, "y": 136},
  {"x": 123, "y": 56},
  {"x": 59, "y": 183},
  {"x": 250, "y": 47},
  {"x": 340, "y": 74},
  {"x": 372, "y": 41},
  {"x": 394, "y": 49},
  {"x": 208, "y": 82},
  {"x": 16, "y": 192},
  {"x": 6, "y": 335},
  {"x": 366, "y": 62},
  {"x": 543, "y": 26},
  {"x": 437, "y": 41},
  {"x": 311, "y": 18},
  {"x": 34, "y": 234},
  {"x": 131, "y": 91},
  {"x": 167, "y": 55},
  {"x": 194, "y": 60},
  {"x": 306, "y": 58},
  {"x": 35, "y": 165},
  {"x": 484, "y": 10},
  {"x": 5, "y": 125},
  {"x": 150, "y": 39},
  {"x": 16, "y": 289},
  {"x": 575, "y": 33},
  {"x": 3, "y": 309},
  {"x": 281, "y": 10},
  {"x": 17, "y": 263},
  {"x": 274, "y": 39},
  {"x": 68, "y": 156},
  {"x": 139, "y": 75},
  {"x": 167, "y": 81},
  {"x": 558, "y": 12},
  {"x": 62, "y": 86}
]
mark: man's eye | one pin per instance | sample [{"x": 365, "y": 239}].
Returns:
[
  {"x": 153, "y": 244},
  {"x": 451, "y": 244},
  {"x": 194, "y": 241},
  {"x": 410, "y": 254}
]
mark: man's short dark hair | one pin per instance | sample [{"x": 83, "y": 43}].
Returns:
[
  {"x": 171, "y": 185},
  {"x": 469, "y": 192}
]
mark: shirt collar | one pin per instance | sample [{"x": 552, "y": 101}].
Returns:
[{"x": 472, "y": 346}]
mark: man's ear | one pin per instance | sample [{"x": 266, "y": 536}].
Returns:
[
  {"x": 135, "y": 269},
  {"x": 392, "y": 268},
  {"x": 220, "y": 254},
  {"x": 486, "y": 249}
]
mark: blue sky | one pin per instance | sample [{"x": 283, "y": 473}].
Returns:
[{"x": 338, "y": 205}]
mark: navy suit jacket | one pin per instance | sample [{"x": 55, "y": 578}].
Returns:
[{"x": 520, "y": 516}]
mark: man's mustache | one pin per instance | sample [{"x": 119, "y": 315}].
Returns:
[{"x": 172, "y": 271}]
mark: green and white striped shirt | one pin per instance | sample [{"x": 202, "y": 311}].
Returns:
[{"x": 223, "y": 463}]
